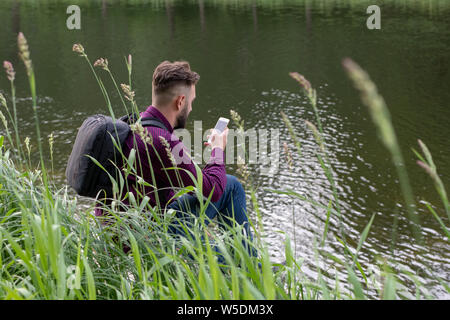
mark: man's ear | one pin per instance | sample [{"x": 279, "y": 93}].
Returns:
[{"x": 179, "y": 102}]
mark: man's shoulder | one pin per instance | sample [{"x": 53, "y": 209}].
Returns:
[{"x": 160, "y": 138}]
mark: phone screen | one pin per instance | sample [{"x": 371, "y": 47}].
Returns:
[{"x": 220, "y": 125}]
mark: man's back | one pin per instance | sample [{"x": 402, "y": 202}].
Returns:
[{"x": 153, "y": 161}]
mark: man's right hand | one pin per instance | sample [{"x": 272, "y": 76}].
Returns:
[{"x": 218, "y": 140}]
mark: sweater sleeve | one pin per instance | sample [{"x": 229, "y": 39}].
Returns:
[{"x": 213, "y": 174}]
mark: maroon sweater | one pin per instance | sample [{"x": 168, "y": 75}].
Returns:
[{"x": 167, "y": 181}]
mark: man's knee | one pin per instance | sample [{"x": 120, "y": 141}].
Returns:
[{"x": 234, "y": 183}]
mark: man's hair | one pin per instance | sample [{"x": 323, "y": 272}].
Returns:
[{"x": 169, "y": 77}]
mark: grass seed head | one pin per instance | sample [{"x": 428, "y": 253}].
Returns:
[
  {"x": 78, "y": 48},
  {"x": 24, "y": 52},
  {"x": 305, "y": 84},
  {"x": 140, "y": 130},
  {"x": 10, "y": 73},
  {"x": 3, "y": 100},
  {"x": 2, "y": 117},
  {"x": 128, "y": 93},
  {"x": 102, "y": 63},
  {"x": 166, "y": 145},
  {"x": 51, "y": 140},
  {"x": 130, "y": 61},
  {"x": 288, "y": 154}
]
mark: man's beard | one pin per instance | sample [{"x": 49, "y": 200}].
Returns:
[{"x": 182, "y": 118}]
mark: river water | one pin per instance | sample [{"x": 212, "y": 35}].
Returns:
[{"x": 243, "y": 51}]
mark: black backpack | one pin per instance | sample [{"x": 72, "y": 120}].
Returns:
[{"x": 94, "y": 139}]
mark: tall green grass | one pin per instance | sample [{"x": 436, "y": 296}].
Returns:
[
  {"x": 51, "y": 248},
  {"x": 391, "y": 286}
]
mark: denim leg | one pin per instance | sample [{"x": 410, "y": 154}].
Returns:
[
  {"x": 186, "y": 208},
  {"x": 231, "y": 205}
]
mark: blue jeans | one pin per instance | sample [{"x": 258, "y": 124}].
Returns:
[{"x": 231, "y": 208}]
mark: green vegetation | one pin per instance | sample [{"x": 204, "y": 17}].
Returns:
[
  {"x": 50, "y": 248},
  {"x": 425, "y": 5}
]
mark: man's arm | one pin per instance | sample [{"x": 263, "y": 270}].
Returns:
[{"x": 214, "y": 173}]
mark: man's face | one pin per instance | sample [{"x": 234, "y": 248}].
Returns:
[{"x": 187, "y": 108}]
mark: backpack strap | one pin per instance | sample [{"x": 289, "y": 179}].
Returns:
[{"x": 153, "y": 122}]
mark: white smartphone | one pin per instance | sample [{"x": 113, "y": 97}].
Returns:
[{"x": 220, "y": 126}]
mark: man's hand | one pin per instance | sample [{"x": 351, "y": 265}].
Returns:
[{"x": 218, "y": 140}]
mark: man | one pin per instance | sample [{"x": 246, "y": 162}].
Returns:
[{"x": 173, "y": 91}]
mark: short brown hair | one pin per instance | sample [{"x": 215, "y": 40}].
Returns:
[{"x": 169, "y": 75}]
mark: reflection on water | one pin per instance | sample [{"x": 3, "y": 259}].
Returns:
[
  {"x": 244, "y": 52},
  {"x": 304, "y": 222}
]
